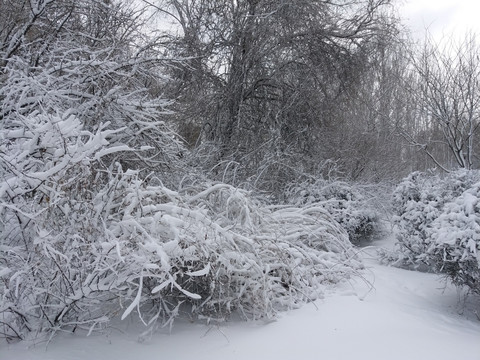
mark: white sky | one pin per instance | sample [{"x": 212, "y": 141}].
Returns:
[{"x": 442, "y": 18}]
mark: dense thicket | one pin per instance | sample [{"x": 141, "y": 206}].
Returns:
[
  {"x": 101, "y": 215},
  {"x": 248, "y": 206}
]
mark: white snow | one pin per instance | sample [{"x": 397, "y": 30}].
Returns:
[{"x": 407, "y": 315}]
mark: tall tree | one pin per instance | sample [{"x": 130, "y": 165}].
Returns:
[
  {"x": 448, "y": 90},
  {"x": 266, "y": 77}
]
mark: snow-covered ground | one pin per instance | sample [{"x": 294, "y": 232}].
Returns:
[{"x": 406, "y": 315}]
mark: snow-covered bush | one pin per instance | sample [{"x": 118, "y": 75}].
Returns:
[
  {"x": 352, "y": 206},
  {"x": 85, "y": 240},
  {"x": 454, "y": 237},
  {"x": 74, "y": 115},
  {"x": 84, "y": 243},
  {"x": 418, "y": 201}
]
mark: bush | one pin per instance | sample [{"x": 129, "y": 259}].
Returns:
[
  {"x": 351, "y": 206},
  {"x": 91, "y": 228},
  {"x": 84, "y": 240},
  {"x": 455, "y": 240},
  {"x": 418, "y": 200},
  {"x": 438, "y": 225}
]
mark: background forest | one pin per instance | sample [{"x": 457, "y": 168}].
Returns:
[{"x": 165, "y": 157}]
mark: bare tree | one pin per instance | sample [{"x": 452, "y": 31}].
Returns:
[
  {"x": 265, "y": 78},
  {"x": 448, "y": 91}
]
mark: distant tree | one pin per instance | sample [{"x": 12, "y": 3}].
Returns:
[
  {"x": 266, "y": 78},
  {"x": 448, "y": 91},
  {"x": 364, "y": 140}
]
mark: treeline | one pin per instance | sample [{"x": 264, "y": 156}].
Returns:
[
  {"x": 262, "y": 93},
  {"x": 272, "y": 92}
]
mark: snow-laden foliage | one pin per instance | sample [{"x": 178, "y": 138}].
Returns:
[
  {"x": 352, "y": 206},
  {"x": 455, "y": 240},
  {"x": 418, "y": 200},
  {"x": 85, "y": 240},
  {"x": 83, "y": 243},
  {"x": 94, "y": 224},
  {"x": 53, "y": 174},
  {"x": 438, "y": 224},
  {"x": 73, "y": 114},
  {"x": 64, "y": 89}
]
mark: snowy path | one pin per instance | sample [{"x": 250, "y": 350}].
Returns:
[{"x": 408, "y": 315}]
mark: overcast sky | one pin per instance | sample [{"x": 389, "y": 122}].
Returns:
[{"x": 441, "y": 17}]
